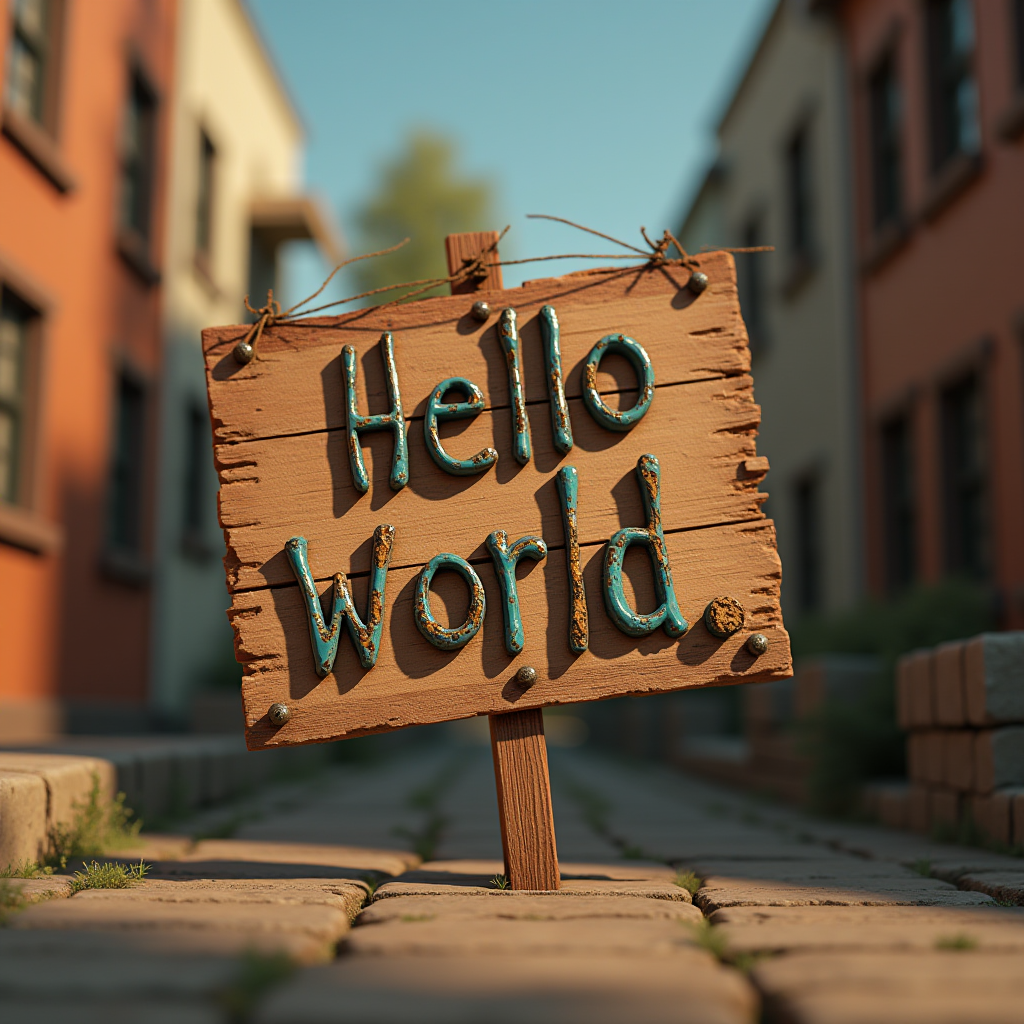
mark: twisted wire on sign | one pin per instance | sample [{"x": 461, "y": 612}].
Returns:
[{"x": 475, "y": 269}]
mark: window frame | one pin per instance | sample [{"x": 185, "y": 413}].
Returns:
[
  {"x": 125, "y": 562},
  {"x": 135, "y": 242},
  {"x": 943, "y": 149},
  {"x": 204, "y": 222},
  {"x": 887, "y": 60},
  {"x": 956, "y": 558},
  {"x": 901, "y": 564}
]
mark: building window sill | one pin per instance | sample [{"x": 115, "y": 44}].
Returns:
[
  {"x": 1011, "y": 124},
  {"x": 134, "y": 250},
  {"x": 39, "y": 147},
  {"x": 125, "y": 567},
  {"x": 802, "y": 266},
  {"x": 23, "y": 528},
  {"x": 889, "y": 239},
  {"x": 953, "y": 178}
]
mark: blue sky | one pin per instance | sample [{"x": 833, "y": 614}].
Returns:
[{"x": 601, "y": 112}]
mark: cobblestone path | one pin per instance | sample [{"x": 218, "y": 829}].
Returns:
[{"x": 365, "y": 895}]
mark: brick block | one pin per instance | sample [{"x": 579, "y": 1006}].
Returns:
[
  {"x": 1017, "y": 818},
  {"x": 68, "y": 780},
  {"x": 893, "y": 803},
  {"x": 948, "y": 683},
  {"x": 904, "y": 698},
  {"x": 943, "y": 807},
  {"x": 916, "y": 743},
  {"x": 958, "y": 759},
  {"x": 918, "y": 810},
  {"x": 23, "y": 826},
  {"x": 994, "y": 678},
  {"x": 933, "y": 754},
  {"x": 918, "y": 685},
  {"x": 999, "y": 758},
  {"x": 992, "y": 815}
]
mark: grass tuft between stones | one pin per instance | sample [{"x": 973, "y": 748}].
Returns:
[
  {"x": 110, "y": 875},
  {"x": 257, "y": 974},
  {"x": 98, "y": 825},
  {"x": 961, "y": 941},
  {"x": 12, "y": 899},
  {"x": 689, "y": 881}
]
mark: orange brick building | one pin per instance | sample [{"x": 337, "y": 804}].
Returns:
[
  {"x": 82, "y": 159},
  {"x": 937, "y": 102}
]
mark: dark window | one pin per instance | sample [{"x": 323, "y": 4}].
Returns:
[
  {"x": 886, "y": 156},
  {"x": 898, "y": 503},
  {"x": 964, "y": 479},
  {"x": 204, "y": 197},
  {"x": 807, "y": 495},
  {"x": 195, "y": 491},
  {"x": 127, "y": 473},
  {"x": 953, "y": 94},
  {"x": 31, "y": 63},
  {"x": 798, "y": 188},
  {"x": 1017, "y": 36},
  {"x": 16, "y": 320},
  {"x": 750, "y": 274},
  {"x": 137, "y": 159},
  {"x": 262, "y": 267}
]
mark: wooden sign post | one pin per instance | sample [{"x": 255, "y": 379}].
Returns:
[
  {"x": 517, "y": 737},
  {"x": 545, "y": 462}
]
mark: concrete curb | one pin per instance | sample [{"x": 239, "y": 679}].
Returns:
[{"x": 161, "y": 776}]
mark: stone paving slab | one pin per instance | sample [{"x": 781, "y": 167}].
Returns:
[
  {"x": 817, "y": 870},
  {"x": 77, "y": 965},
  {"x": 519, "y": 937},
  {"x": 686, "y": 987},
  {"x": 45, "y": 887},
  {"x": 305, "y": 932},
  {"x": 818, "y": 928},
  {"x": 1006, "y": 886},
  {"x": 474, "y": 878},
  {"x": 109, "y": 1011},
  {"x": 955, "y": 987},
  {"x": 271, "y": 893},
  {"x": 239, "y": 858},
  {"x": 530, "y": 906},
  {"x": 719, "y": 891},
  {"x": 23, "y": 823}
]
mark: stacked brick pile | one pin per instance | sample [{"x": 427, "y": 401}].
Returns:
[{"x": 962, "y": 704}]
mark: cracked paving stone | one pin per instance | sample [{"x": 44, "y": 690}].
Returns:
[
  {"x": 817, "y": 928},
  {"x": 528, "y": 906},
  {"x": 718, "y": 892},
  {"x": 685, "y": 987},
  {"x": 953, "y": 987}
]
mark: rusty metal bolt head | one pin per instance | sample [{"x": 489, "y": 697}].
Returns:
[
  {"x": 279, "y": 714},
  {"x": 723, "y": 617},
  {"x": 526, "y": 676},
  {"x": 698, "y": 282},
  {"x": 243, "y": 352},
  {"x": 757, "y": 644},
  {"x": 481, "y": 311}
]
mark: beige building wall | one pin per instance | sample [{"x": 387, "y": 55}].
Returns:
[
  {"x": 803, "y": 320},
  {"x": 227, "y": 92}
]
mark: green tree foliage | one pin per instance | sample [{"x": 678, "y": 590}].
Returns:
[{"x": 422, "y": 197}]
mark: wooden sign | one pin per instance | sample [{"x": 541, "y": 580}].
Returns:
[{"x": 418, "y": 504}]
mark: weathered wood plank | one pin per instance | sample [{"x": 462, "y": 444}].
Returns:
[
  {"x": 524, "y": 799},
  {"x": 703, "y": 434},
  {"x": 295, "y": 384},
  {"x": 467, "y": 246},
  {"x": 415, "y": 683}
]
